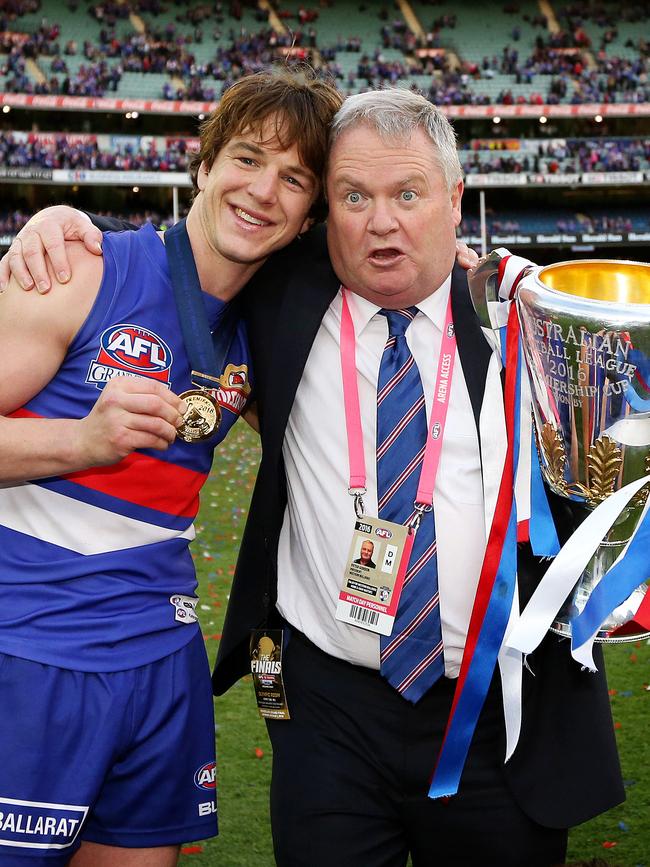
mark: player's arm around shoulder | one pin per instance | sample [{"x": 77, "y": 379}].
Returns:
[
  {"x": 35, "y": 334},
  {"x": 36, "y": 331}
]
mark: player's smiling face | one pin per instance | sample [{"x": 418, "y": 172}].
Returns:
[{"x": 255, "y": 197}]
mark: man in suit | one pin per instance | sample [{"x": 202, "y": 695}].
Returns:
[{"x": 352, "y": 765}]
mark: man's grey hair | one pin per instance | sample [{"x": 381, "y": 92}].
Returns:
[{"x": 395, "y": 114}]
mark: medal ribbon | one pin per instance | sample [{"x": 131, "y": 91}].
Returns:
[
  {"x": 442, "y": 390},
  {"x": 207, "y": 352}
]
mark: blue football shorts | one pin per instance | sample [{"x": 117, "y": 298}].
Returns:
[{"x": 123, "y": 758}]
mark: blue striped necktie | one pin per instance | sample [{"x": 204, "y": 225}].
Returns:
[{"x": 411, "y": 657}]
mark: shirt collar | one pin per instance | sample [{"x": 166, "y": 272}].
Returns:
[{"x": 434, "y": 307}]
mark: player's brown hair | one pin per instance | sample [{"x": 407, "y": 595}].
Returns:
[{"x": 302, "y": 105}]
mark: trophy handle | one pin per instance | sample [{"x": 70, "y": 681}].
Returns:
[
  {"x": 483, "y": 285},
  {"x": 491, "y": 283}
]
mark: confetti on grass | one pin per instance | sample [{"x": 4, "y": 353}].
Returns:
[{"x": 191, "y": 850}]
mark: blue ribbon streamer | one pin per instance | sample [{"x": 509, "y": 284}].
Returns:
[
  {"x": 633, "y": 393},
  {"x": 454, "y": 751},
  {"x": 614, "y": 587},
  {"x": 543, "y": 535},
  {"x": 479, "y": 677},
  {"x": 642, "y": 364},
  {"x": 637, "y": 403},
  {"x": 502, "y": 338}
]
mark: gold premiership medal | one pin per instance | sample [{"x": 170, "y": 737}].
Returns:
[{"x": 202, "y": 418}]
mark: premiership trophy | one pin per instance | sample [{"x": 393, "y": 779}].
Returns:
[{"x": 585, "y": 333}]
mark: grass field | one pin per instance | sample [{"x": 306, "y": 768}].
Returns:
[{"x": 621, "y": 837}]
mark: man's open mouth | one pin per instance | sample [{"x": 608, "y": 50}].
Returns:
[{"x": 385, "y": 254}]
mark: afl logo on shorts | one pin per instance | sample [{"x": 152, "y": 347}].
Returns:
[
  {"x": 206, "y": 777},
  {"x": 129, "y": 350}
]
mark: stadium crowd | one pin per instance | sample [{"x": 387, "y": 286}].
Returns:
[
  {"x": 11, "y": 222},
  {"x": 563, "y": 65},
  {"x": 556, "y": 156},
  {"x": 562, "y": 156},
  {"x": 84, "y": 152},
  {"x": 560, "y": 222}
]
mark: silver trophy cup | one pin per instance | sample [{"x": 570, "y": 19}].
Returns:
[{"x": 585, "y": 329}]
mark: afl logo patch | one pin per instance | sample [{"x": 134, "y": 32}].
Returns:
[
  {"x": 206, "y": 777},
  {"x": 383, "y": 533},
  {"x": 130, "y": 350}
]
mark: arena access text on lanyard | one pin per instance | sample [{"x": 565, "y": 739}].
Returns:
[{"x": 380, "y": 549}]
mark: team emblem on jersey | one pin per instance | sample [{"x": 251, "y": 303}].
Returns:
[
  {"x": 234, "y": 388},
  {"x": 206, "y": 776},
  {"x": 130, "y": 350}
]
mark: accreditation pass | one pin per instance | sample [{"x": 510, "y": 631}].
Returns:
[{"x": 374, "y": 574}]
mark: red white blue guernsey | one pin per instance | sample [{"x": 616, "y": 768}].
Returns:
[{"x": 95, "y": 569}]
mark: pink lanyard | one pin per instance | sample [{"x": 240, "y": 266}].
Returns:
[{"x": 442, "y": 390}]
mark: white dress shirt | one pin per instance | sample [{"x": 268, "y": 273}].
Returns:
[{"x": 319, "y": 518}]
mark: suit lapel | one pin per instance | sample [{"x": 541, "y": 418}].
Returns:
[
  {"x": 305, "y": 302},
  {"x": 485, "y": 394},
  {"x": 473, "y": 348}
]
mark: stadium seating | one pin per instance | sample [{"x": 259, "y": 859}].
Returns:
[
  {"x": 557, "y": 220},
  {"x": 478, "y": 53},
  {"x": 478, "y": 156},
  {"x": 491, "y": 55},
  {"x": 557, "y": 156},
  {"x": 519, "y": 221}
]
